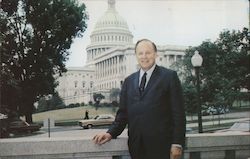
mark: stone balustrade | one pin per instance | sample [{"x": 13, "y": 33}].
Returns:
[{"x": 204, "y": 146}]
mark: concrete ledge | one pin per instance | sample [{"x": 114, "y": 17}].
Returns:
[
  {"x": 214, "y": 141},
  {"x": 215, "y": 146},
  {"x": 61, "y": 147},
  {"x": 218, "y": 146}
]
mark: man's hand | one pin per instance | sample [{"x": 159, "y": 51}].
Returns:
[
  {"x": 102, "y": 138},
  {"x": 175, "y": 152}
]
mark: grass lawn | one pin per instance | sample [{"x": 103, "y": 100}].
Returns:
[{"x": 71, "y": 113}]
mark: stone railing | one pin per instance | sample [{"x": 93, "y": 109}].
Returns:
[
  {"x": 218, "y": 146},
  {"x": 204, "y": 146}
]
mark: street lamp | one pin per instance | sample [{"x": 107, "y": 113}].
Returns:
[{"x": 196, "y": 61}]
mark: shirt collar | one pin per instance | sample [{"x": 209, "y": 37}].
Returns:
[{"x": 149, "y": 72}]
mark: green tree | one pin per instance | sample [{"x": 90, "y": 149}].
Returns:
[
  {"x": 35, "y": 38},
  {"x": 235, "y": 57},
  {"x": 114, "y": 94},
  {"x": 50, "y": 102},
  {"x": 224, "y": 72},
  {"x": 97, "y": 98}
]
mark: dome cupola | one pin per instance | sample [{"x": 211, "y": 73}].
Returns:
[{"x": 111, "y": 30}]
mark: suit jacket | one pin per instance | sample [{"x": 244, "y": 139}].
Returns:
[{"x": 156, "y": 119}]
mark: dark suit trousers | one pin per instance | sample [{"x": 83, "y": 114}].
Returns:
[{"x": 139, "y": 150}]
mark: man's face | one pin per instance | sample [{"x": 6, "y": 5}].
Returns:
[{"x": 145, "y": 54}]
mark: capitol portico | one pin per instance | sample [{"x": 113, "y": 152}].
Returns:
[{"x": 110, "y": 58}]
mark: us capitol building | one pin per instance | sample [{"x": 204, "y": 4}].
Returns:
[{"x": 110, "y": 58}]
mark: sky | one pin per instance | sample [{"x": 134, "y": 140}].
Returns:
[{"x": 166, "y": 22}]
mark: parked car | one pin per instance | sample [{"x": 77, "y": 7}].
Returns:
[
  {"x": 240, "y": 126},
  {"x": 99, "y": 120},
  {"x": 208, "y": 111},
  {"x": 14, "y": 126},
  {"x": 214, "y": 110},
  {"x": 222, "y": 110},
  {"x": 20, "y": 126}
]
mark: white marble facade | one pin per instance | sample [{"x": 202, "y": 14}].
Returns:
[
  {"x": 76, "y": 85},
  {"x": 110, "y": 58}
]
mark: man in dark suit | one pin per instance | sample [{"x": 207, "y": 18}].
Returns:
[{"x": 151, "y": 103}]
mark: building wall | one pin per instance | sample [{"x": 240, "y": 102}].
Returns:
[
  {"x": 108, "y": 71},
  {"x": 76, "y": 85},
  {"x": 110, "y": 59}
]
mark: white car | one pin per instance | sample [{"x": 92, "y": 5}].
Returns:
[{"x": 99, "y": 120}]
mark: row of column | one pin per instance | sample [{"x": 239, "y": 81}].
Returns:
[
  {"x": 110, "y": 38},
  {"x": 167, "y": 60},
  {"x": 108, "y": 69},
  {"x": 92, "y": 53}
]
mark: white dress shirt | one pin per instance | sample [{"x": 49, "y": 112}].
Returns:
[{"x": 149, "y": 73}]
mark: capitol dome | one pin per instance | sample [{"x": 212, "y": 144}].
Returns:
[
  {"x": 111, "y": 30},
  {"x": 111, "y": 19}
]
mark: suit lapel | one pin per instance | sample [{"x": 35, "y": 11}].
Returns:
[
  {"x": 136, "y": 82},
  {"x": 151, "y": 81}
]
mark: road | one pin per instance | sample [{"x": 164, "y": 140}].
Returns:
[
  {"x": 191, "y": 125},
  {"x": 76, "y": 131},
  {"x": 222, "y": 116}
]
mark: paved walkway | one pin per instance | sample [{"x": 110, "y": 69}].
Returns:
[
  {"x": 76, "y": 131},
  {"x": 216, "y": 122},
  {"x": 222, "y": 116}
]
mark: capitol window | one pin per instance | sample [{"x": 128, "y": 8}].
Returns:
[
  {"x": 171, "y": 58},
  {"x": 91, "y": 84},
  {"x": 75, "y": 84},
  {"x": 178, "y": 58}
]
